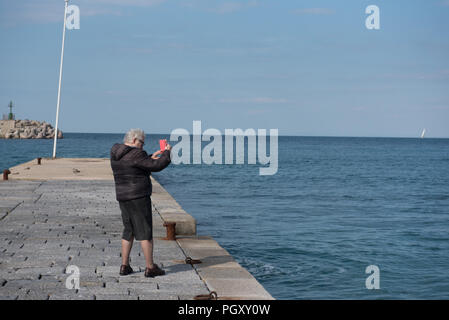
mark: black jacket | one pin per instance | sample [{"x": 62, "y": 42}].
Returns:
[{"x": 132, "y": 168}]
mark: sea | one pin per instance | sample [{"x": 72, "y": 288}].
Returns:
[{"x": 343, "y": 217}]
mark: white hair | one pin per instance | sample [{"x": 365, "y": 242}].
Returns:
[{"x": 134, "y": 134}]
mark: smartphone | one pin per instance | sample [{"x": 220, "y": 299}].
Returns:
[{"x": 162, "y": 144}]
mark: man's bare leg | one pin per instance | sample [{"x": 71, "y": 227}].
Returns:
[
  {"x": 147, "y": 248},
  {"x": 126, "y": 250}
]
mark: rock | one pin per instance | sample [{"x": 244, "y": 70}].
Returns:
[{"x": 24, "y": 135}]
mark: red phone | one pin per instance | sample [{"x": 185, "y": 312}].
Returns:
[{"x": 162, "y": 144}]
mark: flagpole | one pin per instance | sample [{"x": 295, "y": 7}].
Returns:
[{"x": 60, "y": 80}]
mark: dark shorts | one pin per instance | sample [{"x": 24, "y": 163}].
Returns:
[{"x": 137, "y": 219}]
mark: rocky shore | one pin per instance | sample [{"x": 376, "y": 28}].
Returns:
[{"x": 27, "y": 129}]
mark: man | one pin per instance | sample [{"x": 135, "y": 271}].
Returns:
[{"x": 132, "y": 168}]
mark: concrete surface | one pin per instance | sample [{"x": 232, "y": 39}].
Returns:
[{"x": 50, "y": 220}]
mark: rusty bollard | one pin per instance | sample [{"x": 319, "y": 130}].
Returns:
[
  {"x": 39, "y": 161},
  {"x": 191, "y": 261},
  {"x": 171, "y": 231},
  {"x": 5, "y": 174},
  {"x": 211, "y": 296}
]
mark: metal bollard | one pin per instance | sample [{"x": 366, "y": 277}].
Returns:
[
  {"x": 171, "y": 231},
  {"x": 39, "y": 161},
  {"x": 211, "y": 296},
  {"x": 191, "y": 261},
  {"x": 5, "y": 174}
]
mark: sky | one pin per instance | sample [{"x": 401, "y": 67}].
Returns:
[{"x": 307, "y": 68}]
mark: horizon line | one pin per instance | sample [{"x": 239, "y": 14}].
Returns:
[{"x": 288, "y": 135}]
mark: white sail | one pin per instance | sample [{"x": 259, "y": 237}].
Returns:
[{"x": 423, "y": 133}]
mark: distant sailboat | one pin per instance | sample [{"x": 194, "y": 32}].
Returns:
[{"x": 423, "y": 133}]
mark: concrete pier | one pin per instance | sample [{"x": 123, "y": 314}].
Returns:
[{"x": 63, "y": 213}]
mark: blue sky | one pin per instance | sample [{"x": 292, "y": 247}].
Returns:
[{"x": 303, "y": 67}]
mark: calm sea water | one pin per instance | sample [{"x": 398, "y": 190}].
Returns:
[{"x": 336, "y": 206}]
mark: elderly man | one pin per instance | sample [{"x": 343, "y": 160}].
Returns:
[{"x": 132, "y": 168}]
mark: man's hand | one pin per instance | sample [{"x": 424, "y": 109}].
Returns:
[
  {"x": 168, "y": 147},
  {"x": 159, "y": 152},
  {"x": 156, "y": 154}
]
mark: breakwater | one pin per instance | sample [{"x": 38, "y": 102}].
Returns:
[{"x": 27, "y": 129}]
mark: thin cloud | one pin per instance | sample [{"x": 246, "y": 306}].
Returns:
[
  {"x": 135, "y": 3},
  {"x": 223, "y": 8},
  {"x": 49, "y": 11},
  {"x": 261, "y": 100},
  {"x": 268, "y": 100},
  {"x": 228, "y": 7},
  {"x": 435, "y": 75},
  {"x": 314, "y": 11}
]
